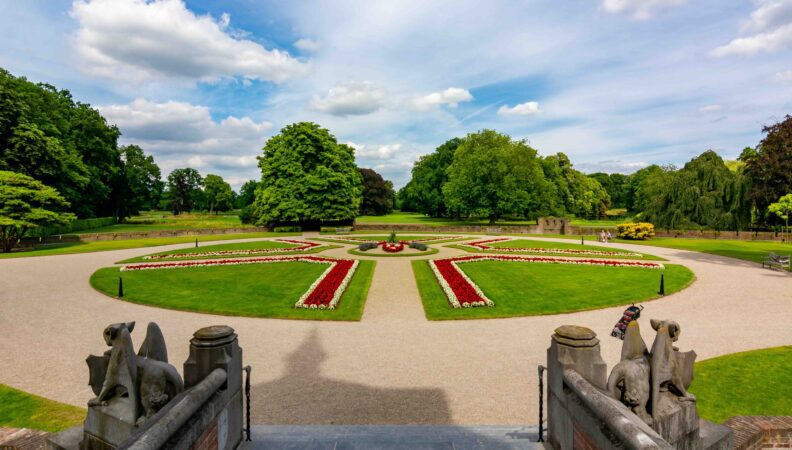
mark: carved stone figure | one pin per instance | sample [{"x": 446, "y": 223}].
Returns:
[
  {"x": 650, "y": 383},
  {"x": 128, "y": 386},
  {"x": 629, "y": 380}
]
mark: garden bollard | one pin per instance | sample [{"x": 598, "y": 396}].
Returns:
[
  {"x": 120, "y": 287},
  {"x": 662, "y": 285},
  {"x": 196, "y": 242},
  {"x": 581, "y": 240}
]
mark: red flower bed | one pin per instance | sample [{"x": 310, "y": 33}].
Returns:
[{"x": 389, "y": 247}]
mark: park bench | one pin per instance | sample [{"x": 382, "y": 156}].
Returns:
[
  {"x": 343, "y": 230},
  {"x": 772, "y": 261}
]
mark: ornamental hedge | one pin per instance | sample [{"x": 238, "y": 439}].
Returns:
[{"x": 635, "y": 231}]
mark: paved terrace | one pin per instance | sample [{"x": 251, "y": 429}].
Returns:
[{"x": 393, "y": 367}]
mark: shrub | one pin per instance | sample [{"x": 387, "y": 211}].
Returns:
[
  {"x": 419, "y": 246},
  {"x": 287, "y": 229},
  {"x": 635, "y": 231},
  {"x": 75, "y": 225},
  {"x": 367, "y": 246},
  {"x": 335, "y": 230}
]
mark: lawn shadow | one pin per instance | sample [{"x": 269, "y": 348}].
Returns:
[{"x": 303, "y": 396}]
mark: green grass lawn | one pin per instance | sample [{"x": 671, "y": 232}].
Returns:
[
  {"x": 529, "y": 289},
  {"x": 755, "y": 383},
  {"x": 747, "y": 250},
  {"x": 528, "y": 243},
  {"x": 354, "y": 251},
  {"x": 255, "y": 245},
  {"x": 401, "y": 217},
  {"x": 385, "y": 238},
  {"x": 103, "y": 246},
  {"x": 162, "y": 220},
  {"x": 256, "y": 290},
  {"x": 22, "y": 410}
]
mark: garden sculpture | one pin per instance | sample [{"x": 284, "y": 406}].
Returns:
[
  {"x": 132, "y": 387},
  {"x": 652, "y": 384}
]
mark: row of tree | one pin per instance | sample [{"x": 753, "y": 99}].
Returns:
[{"x": 489, "y": 174}]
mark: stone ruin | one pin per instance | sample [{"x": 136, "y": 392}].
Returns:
[
  {"x": 644, "y": 403},
  {"x": 142, "y": 402}
]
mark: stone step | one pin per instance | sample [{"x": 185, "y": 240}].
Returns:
[
  {"x": 22, "y": 439},
  {"x": 395, "y": 437}
]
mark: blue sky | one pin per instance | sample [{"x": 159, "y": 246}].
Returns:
[{"x": 615, "y": 84}]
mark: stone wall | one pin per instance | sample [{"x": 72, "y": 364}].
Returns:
[
  {"x": 761, "y": 432},
  {"x": 549, "y": 225}
]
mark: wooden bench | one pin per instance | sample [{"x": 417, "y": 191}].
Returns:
[{"x": 772, "y": 261}]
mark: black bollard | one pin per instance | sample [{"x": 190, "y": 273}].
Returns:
[
  {"x": 120, "y": 287},
  {"x": 196, "y": 242},
  {"x": 662, "y": 285},
  {"x": 581, "y": 240},
  {"x": 541, "y": 403}
]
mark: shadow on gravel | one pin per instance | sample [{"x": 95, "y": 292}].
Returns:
[{"x": 303, "y": 396}]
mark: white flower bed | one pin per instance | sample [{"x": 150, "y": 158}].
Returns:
[{"x": 484, "y": 245}]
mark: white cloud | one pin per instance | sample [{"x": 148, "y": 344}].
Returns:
[
  {"x": 611, "y": 166},
  {"x": 307, "y": 44},
  {"x": 451, "y": 97},
  {"x": 771, "y": 25},
  {"x": 139, "y": 40},
  {"x": 639, "y": 9},
  {"x": 784, "y": 77},
  {"x": 375, "y": 151},
  {"x": 710, "y": 108},
  {"x": 522, "y": 109},
  {"x": 353, "y": 98},
  {"x": 181, "y": 134}
]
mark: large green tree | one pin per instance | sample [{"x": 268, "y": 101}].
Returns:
[
  {"x": 218, "y": 195},
  {"x": 424, "y": 192},
  {"x": 569, "y": 191},
  {"x": 769, "y": 167},
  {"x": 247, "y": 194},
  {"x": 307, "y": 177},
  {"x": 616, "y": 185},
  {"x": 378, "y": 195},
  {"x": 184, "y": 190},
  {"x": 26, "y": 203},
  {"x": 138, "y": 185},
  {"x": 492, "y": 176}
]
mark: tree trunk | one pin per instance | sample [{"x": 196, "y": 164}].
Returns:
[{"x": 492, "y": 219}]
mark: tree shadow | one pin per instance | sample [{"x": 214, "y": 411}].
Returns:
[{"x": 303, "y": 396}]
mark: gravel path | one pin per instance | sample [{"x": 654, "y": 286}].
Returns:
[{"x": 393, "y": 367}]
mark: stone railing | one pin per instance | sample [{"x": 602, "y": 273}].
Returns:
[{"x": 206, "y": 414}]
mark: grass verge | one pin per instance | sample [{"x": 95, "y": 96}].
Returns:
[
  {"x": 103, "y": 246},
  {"x": 255, "y": 290},
  {"x": 19, "y": 409},
  {"x": 527, "y": 243},
  {"x": 255, "y": 245},
  {"x": 530, "y": 289},
  {"x": 754, "y": 383}
]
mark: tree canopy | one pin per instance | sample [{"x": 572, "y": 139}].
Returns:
[
  {"x": 424, "y": 192},
  {"x": 769, "y": 167},
  {"x": 217, "y": 195},
  {"x": 378, "y": 195},
  {"x": 184, "y": 190},
  {"x": 307, "y": 176},
  {"x": 26, "y": 203}
]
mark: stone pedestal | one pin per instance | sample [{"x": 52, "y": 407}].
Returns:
[
  {"x": 677, "y": 422},
  {"x": 217, "y": 347},
  {"x": 571, "y": 347}
]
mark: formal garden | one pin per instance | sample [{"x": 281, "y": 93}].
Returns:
[{"x": 456, "y": 255}]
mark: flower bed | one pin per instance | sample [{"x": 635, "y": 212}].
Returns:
[
  {"x": 324, "y": 293},
  {"x": 392, "y": 247},
  {"x": 462, "y": 292},
  {"x": 301, "y": 246},
  {"x": 485, "y": 245},
  {"x": 358, "y": 239}
]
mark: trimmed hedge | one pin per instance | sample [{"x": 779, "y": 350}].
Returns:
[
  {"x": 75, "y": 225},
  {"x": 287, "y": 229},
  {"x": 419, "y": 246},
  {"x": 367, "y": 246},
  {"x": 635, "y": 231}
]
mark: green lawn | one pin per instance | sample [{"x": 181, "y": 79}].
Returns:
[
  {"x": 255, "y": 290},
  {"x": 22, "y": 410},
  {"x": 103, "y": 246},
  {"x": 440, "y": 239},
  {"x": 162, "y": 220},
  {"x": 254, "y": 245},
  {"x": 528, "y": 289},
  {"x": 354, "y": 251},
  {"x": 755, "y": 383},
  {"x": 401, "y": 217},
  {"x": 748, "y": 250},
  {"x": 528, "y": 243}
]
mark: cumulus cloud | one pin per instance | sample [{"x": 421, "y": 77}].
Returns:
[
  {"x": 784, "y": 77},
  {"x": 769, "y": 29},
  {"x": 139, "y": 40},
  {"x": 307, "y": 44},
  {"x": 639, "y": 9},
  {"x": 353, "y": 98},
  {"x": 522, "y": 109},
  {"x": 451, "y": 97},
  {"x": 375, "y": 151}
]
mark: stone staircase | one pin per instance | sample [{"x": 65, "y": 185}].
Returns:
[{"x": 413, "y": 437}]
